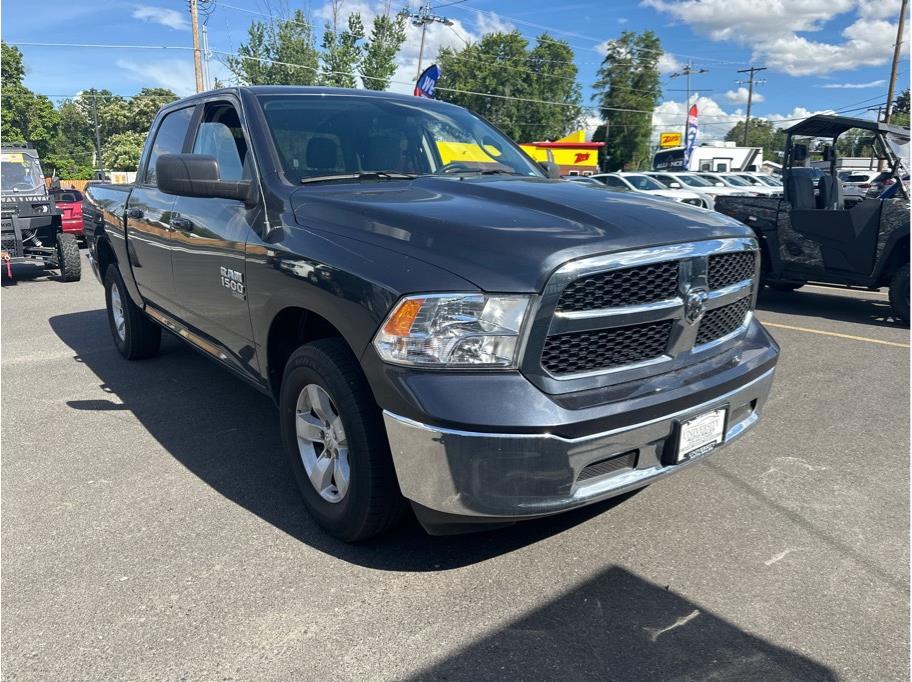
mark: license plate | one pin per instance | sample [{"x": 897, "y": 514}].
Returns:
[{"x": 701, "y": 434}]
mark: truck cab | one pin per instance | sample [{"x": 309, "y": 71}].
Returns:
[{"x": 812, "y": 233}]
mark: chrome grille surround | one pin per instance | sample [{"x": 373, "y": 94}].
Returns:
[{"x": 682, "y": 348}]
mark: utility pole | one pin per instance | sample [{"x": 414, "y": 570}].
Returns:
[
  {"x": 98, "y": 161},
  {"x": 197, "y": 58},
  {"x": 750, "y": 95},
  {"x": 687, "y": 71},
  {"x": 896, "y": 50},
  {"x": 421, "y": 18}
]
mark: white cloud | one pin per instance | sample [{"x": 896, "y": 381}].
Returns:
[
  {"x": 668, "y": 64},
  {"x": 162, "y": 15},
  {"x": 772, "y": 30},
  {"x": 740, "y": 96},
  {"x": 174, "y": 74},
  {"x": 854, "y": 86}
]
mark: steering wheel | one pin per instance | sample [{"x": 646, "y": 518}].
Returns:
[{"x": 455, "y": 167}]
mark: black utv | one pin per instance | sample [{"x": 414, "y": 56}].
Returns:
[
  {"x": 31, "y": 224},
  {"x": 813, "y": 233}
]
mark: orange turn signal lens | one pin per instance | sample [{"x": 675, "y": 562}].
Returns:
[{"x": 400, "y": 322}]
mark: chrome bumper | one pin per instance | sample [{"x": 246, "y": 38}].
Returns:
[{"x": 508, "y": 475}]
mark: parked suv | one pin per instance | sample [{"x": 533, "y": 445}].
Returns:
[{"x": 474, "y": 337}]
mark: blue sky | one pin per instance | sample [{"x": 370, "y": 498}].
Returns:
[{"x": 822, "y": 54}]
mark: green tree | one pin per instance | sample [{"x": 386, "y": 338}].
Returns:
[
  {"x": 760, "y": 133},
  {"x": 27, "y": 117},
  {"x": 379, "y": 62},
  {"x": 277, "y": 52},
  {"x": 121, "y": 152},
  {"x": 535, "y": 91},
  {"x": 342, "y": 49},
  {"x": 145, "y": 104},
  {"x": 73, "y": 145},
  {"x": 900, "y": 114},
  {"x": 626, "y": 90}
]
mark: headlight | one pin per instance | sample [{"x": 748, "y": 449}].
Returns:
[{"x": 453, "y": 330}]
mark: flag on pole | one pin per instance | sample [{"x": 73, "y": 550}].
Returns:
[
  {"x": 427, "y": 82},
  {"x": 691, "y": 134}
]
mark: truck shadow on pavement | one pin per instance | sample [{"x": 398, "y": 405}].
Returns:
[
  {"x": 840, "y": 306},
  {"x": 226, "y": 433},
  {"x": 618, "y": 626}
]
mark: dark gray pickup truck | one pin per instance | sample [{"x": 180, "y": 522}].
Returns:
[{"x": 439, "y": 322}]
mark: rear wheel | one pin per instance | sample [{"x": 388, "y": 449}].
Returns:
[
  {"x": 135, "y": 335},
  {"x": 68, "y": 257},
  {"x": 336, "y": 443},
  {"x": 899, "y": 293}
]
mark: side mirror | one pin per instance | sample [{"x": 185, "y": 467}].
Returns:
[
  {"x": 552, "y": 170},
  {"x": 674, "y": 185},
  {"x": 799, "y": 153},
  {"x": 197, "y": 175}
]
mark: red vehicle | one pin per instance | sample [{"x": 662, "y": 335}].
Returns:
[{"x": 69, "y": 201}]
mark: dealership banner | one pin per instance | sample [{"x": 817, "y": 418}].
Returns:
[
  {"x": 667, "y": 140},
  {"x": 427, "y": 82},
  {"x": 691, "y": 135}
]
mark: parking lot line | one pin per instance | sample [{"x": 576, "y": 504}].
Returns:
[
  {"x": 841, "y": 336},
  {"x": 837, "y": 288}
]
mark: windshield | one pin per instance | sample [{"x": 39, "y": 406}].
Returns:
[
  {"x": 20, "y": 173},
  {"x": 324, "y": 136},
  {"x": 644, "y": 182},
  {"x": 769, "y": 180},
  {"x": 735, "y": 180},
  {"x": 749, "y": 179},
  {"x": 694, "y": 181}
]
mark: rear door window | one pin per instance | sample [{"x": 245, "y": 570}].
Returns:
[{"x": 220, "y": 135}]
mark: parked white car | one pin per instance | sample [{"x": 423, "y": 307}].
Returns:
[
  {"x": 759, "y": 185},
  {"x": 858, "y": 183},
  {"x": 732, "y": 180},
  {"x": 641, "y": 182},
  {"x": 694, "y": 183}
]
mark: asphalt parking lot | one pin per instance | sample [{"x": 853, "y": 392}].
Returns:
[{"x": 151, "y": 530}]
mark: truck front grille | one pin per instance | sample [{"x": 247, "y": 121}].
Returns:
[
  {"x": 628, "y": 286},
  {"x": 611, "y": 316},
  {"x": 726, "y": 269},
  {"x": 722, "y": 321},
  {"x": 586, "y": 351}
]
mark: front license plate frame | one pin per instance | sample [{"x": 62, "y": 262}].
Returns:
[{"x": 699, "y": 435}]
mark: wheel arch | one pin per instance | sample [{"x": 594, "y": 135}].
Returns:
[{"x": 897, "y": 255}]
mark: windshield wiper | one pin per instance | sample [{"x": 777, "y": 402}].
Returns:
[{"x": 362, "y": 175}]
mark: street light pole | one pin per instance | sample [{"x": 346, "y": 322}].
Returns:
[
  {"x": 422, "y": 17},
  {"x": 750, "y": 96}
]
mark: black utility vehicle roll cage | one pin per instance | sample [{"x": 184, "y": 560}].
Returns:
[{"x": 829, "y": 126}]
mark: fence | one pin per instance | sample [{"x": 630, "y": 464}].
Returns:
[{"x": 69, "y": 184}]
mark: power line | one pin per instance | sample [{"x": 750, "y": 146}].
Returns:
[{"x": 750, "y": 95}]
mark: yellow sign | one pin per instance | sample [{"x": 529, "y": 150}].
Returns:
[
  {"x": 11, "y": 158},
  {"x": 669, "y": 140}
]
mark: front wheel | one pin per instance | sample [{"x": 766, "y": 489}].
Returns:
[
  {"x": 899, "y": 293},
  {"x": 68, "y": 257},
  {"x": 336, "y": 443}
]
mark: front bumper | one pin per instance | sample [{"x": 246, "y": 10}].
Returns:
[{"x": 508, "y": 476}]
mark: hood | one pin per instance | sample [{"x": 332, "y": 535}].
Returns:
[
  {"x": 674, "y": 193},
  {"x": 504, "y": 234}
]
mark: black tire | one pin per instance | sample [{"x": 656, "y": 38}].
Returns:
[
  {"x": 373, "y": 502},
  {"x": 68, "y": 259},
  {"x": 899, "y": 293},
  {"x": 141, "y": 336}
]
